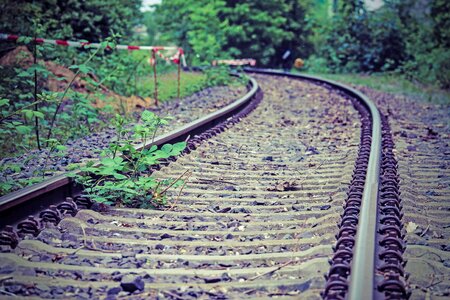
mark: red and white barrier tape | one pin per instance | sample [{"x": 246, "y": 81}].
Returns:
[
  {"x": 175, "y": 58},
  {"x": 235, "y": 62}
]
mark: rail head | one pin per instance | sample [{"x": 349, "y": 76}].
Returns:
[{"x": 362, "y": 277}]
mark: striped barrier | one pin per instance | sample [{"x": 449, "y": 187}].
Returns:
[
  {"x": 179, "y": 55},
  {"x": 176, "y": 58}
]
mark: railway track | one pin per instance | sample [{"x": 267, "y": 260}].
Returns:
[{"x": 295, "y": 197}]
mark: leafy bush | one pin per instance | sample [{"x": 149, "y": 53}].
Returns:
[
  {"x": 426, "y": 26},
  {"x": 362, "y": 41},
  {"x": 408, "y": 36},
  {"x": 209, "y": 30},
  {"x": 92, "y": 20},
  {"x": 315, "y": 64},
  {"x": 120, "y": 177},
  {"x": 219, "y": 75},
  {"x": 432, "y": 67}
]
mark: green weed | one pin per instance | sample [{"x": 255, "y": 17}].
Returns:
[{"x": 120, "y": 177}]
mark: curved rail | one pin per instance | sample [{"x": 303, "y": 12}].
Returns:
[
  {"x": 41, "y": 195},
  {"x": 362, "y": 275},
  {"x": 363, "y": 263}
]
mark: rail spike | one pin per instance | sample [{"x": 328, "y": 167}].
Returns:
[{"x": 8, "y": 237}]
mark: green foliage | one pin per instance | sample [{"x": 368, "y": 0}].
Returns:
[
  {"x": 8, "y": 185},
  {"x": 30, "y": 112},
  {"x": 426, "y": 26},
  {"x": 120, "y": 176},
  {"x": 407, "y": 36},
  {"x": 148, "y": 19},
  {"x": 440, "y": 14},
  {"x": 167, "y": 85},
  {"x": 206, "y": 35},
  {"x": 194, "y": 25},
  {"x": 219, "y": 75},
  {"x": 54, "y": 148},
  {"x": 318, "y": 65},
  {"x": 26, "y": 107},
  {"x": 173, "y": 19},
  {"x": 263, "y": 30},
  {"x": 16, "y": 125},
  {"x": 363, "y": 41},
  {"x": 431, "y": 67},
  {"x": 92, "y": 20}
]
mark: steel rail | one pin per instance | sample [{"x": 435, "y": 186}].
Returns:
[
  {"x": 362, "y": 284},
  {"x": 41, "y": 195},
  {"x": 362, "y": 277}
]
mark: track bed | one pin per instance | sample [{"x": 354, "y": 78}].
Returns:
[{"x": 257, "y": 217}]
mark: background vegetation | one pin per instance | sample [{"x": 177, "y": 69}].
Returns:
[{"x": 407, "y": 38}]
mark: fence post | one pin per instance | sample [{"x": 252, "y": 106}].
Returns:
[
  {"x": 179, "y": 77},
  {"x": 154, "y": 76}
]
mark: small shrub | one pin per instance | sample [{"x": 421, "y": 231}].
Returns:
[
  {"x": 120, "y": 178},
  {"x": 432, "y": 67},
  {"x": 219, "y": 75},
  {"x": 317, "y": 65}
]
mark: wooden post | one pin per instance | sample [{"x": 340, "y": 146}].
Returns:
[
  {"x": 36, "y": 106},
  {"x": 154, "y": 76},
  {"x": 179, "y": 77}
]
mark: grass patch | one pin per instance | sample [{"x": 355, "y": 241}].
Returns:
[
  {"x": 395, "y": 84},
  {"x": 167, "y": 85}
]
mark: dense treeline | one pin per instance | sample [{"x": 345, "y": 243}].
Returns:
[
  {"x": 263, "y": 30},
  {"x": 91, "y": 20},
  {"x": 407, "y": 36}
]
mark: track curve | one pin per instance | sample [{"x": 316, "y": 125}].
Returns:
[{"x": 257, "y": 219}]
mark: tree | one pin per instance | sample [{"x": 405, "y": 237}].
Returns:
[
  {"x": 264, "y": 30},
  {"x": 363, "y": 41},
  {"x": 426, "y": 28},
  {"x": 207, "y": 30},
  {"x": 92, "y": 20}
]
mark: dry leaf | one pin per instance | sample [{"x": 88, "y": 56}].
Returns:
[{"x": 411, "y": 227}]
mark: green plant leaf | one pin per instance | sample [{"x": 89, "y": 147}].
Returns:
[
  {"x": 178, "y": 148},
  {"x": 28, "y": 114},
  {"x": 119, "y": 176},
  {"x": 167, "y": 148},
  {"x": 61, "y": 148},
  {"x": 4, "y": 102},
  {"x": 148, "y": 115},
  {"x": 84, "y": 69},
  {"x": 38, "y": 114},
  {"x": 112, "y": 162},
  {"x": 22, "y": 129}
]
